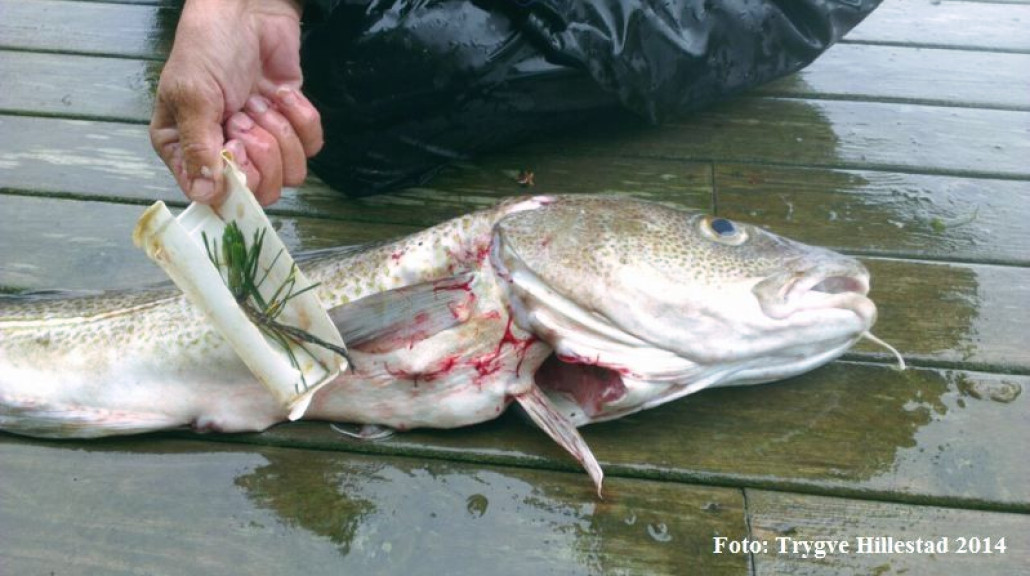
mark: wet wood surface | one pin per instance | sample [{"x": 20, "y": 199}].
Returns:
[
  {"x": 909, "y": 74},
  {"x": 925, "y": 435},
  {"x": 906, "y": 145},
  {"x": 122, "y": 89},
  {"x": 831, "y": 133},
  {"x": 989, "y": 26},
  {"x": 976, "y": 542},
  {"x": 917, "y": 215},
  {"x": 98, "y": 28},
  {"x": 98, "y": 87},
  {"x": 174, "y": 507}
]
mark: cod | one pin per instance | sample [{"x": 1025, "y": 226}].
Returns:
[{"x": 578, "y": 308}]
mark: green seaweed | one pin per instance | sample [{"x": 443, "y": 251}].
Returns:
[{"x": 242, "y": 270}]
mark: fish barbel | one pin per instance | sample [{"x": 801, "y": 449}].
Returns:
[{"x": 579, "y": 308}]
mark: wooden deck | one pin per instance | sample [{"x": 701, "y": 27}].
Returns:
[{"x": 907, "y": 144}]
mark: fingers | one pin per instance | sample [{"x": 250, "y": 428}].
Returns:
[
  {"x": 303, "y": 117},
  {"x": 239, "y": 155},
  {"x": 200, "y": 141},
  {"x": 186, "y": 133},
  {"x": 293, "y": 160},
  {"x": 165, "y": 140},
  {"x": 262, "y": 152},
  {"x": 275, "y": 135}
]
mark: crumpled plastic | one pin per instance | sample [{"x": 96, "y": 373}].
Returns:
[{"x": 407, "y": 86}]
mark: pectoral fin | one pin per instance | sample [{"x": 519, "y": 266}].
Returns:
[
  {"x": 392, "y": 319},
  {"x": 561, "y": 429}
]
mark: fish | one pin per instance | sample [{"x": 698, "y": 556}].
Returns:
[{"x": 577, "y": 308}]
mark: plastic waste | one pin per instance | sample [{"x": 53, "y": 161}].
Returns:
[
  {"x": 407, "y": 86},
  {"x": 187, "y": 247}
]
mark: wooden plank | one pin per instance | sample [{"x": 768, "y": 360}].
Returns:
[
  {"x": 114, "y": 161},
  {"x": 492, "y": 177},
  {"x": 917, "y": 75},
  {"x": 964, "y": 315},
  {"x": 98, "y": 159},
  {"x": 782, "y": 519},
  {"x": 65, "y": 243},
  {"x": 53, "y": 243},
  {"x": 924, "y": 435},
  {"x": 122, "y": 89},
  {"x": 173, "y": 507},
  {"x": 827, "y": 133},
  {"x": 946, "y": 23},
  {"x": 939, "y": 217},
  {"x": 146, "y": 31},
  {"x": 859, "y": 135},
  {"x": 78, "y": 86},
  {"x": 64, "y": 26}
]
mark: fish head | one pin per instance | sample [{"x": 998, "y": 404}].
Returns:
[{"x": 660, "y": 302}]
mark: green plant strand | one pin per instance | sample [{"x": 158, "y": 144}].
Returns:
[{"x": 242, "y": 265}]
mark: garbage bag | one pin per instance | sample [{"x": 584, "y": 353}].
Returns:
[{"x": 407, "y": 86}]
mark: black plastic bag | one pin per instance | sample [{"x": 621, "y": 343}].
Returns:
[{"x": 406, "y": 86}]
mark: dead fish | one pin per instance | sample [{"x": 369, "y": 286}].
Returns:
[{"x": 580, "y": 309}]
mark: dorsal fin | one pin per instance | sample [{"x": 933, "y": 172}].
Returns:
[{"x": 395, "y": 318}]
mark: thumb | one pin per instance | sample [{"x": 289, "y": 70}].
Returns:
[{"x": 201, "y": 140}]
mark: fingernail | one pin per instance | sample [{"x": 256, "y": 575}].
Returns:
[
  {"x": 257, "y": 104},
  {"x": 202, "y": 190},
  {"x": 286, "y": 95},
  {"x": 242, "y": 122},
  {"x": 236, "y": 149}
]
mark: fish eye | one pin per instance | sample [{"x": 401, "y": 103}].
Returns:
[
  {"x": 723, "y": 230},
  {"x": 722, "y": 227}
]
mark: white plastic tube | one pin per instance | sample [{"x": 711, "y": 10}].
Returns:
[{"x": 177, "y": 245}]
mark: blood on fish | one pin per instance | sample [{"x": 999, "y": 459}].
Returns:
[
  {"x": 466, "y": 286},
  {"x": 462, "y": 311},
  {"x": 488, "y": 364},
  {"x": 475, "y": 253},
  {"x": 520, "y": 345}
]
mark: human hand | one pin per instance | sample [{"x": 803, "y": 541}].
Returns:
[{"x": 232, "y": 80}]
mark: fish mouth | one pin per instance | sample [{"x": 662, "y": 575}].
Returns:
[
  {"x": 819, "y": 289},
  {"x": 840, "y": 284}
]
